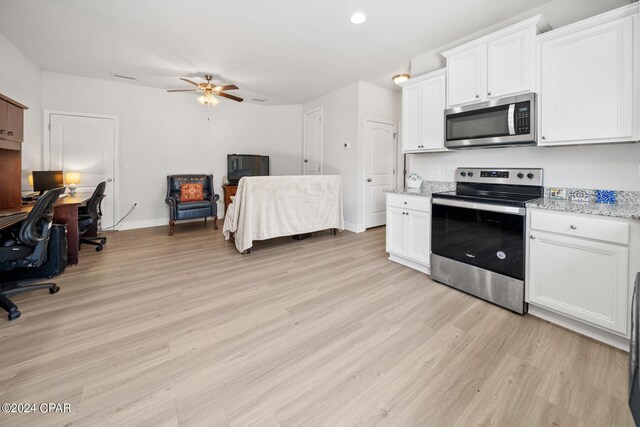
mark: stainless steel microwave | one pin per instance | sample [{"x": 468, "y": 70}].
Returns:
[{"x": 502, "y": 122}]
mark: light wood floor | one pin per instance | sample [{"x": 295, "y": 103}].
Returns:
[{"x": 183, "y": 330}]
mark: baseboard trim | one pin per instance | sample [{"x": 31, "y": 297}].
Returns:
[
  {"x": 354, "y": 228},
  {"x": 592, "y": 332},
  {"x": 411, "y": 264},
  {"x": 146, "y": 223}
]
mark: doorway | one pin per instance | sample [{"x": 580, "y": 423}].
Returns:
[
  {"x": 85, "y": 144},
  {"x": 312, "y": 155},
  {"x": 380, "y": 154}
]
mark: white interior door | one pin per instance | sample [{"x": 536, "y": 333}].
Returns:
[
  {"x": 312, "y": 143},
  {"x": 86, "y": 145},
  {"x": 379, "y": 168}
]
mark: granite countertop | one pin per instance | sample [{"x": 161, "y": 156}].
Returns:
[
  {"x": 617, "y": 210},
  {"x": 428, "y": 188}
]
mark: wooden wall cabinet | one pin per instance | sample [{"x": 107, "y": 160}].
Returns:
[{"x": 11, "y": 138}]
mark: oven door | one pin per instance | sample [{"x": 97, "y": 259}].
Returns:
[
  {"x": 499, "y": 122},
  {"x": 483, "y": 235}
]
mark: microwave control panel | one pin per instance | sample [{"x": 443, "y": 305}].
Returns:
[{"x": 523, "y": 118}]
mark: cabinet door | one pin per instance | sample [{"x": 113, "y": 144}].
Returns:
[
  {"x": 396, "y": 231},
  {"x": 14, "y": 123},
  {"x": 418, "y": 244},
  {"x": 581, "y": 278},
  {"x": 3, "y": 119},
  {"x": 412, "y": 117},
  {"x": 433, "y": 106},
  {"x": 509, "y": 62},
  {"x": 586, "y": 84},
  {"x": 466, "y": 76}
]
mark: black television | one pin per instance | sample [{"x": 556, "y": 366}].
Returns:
[{"x": 239, "y": 165}]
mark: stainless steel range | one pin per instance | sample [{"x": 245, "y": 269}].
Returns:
[{"x": 478, "y": 233}]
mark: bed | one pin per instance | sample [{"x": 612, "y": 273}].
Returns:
[{"x": 266, "y": 207}]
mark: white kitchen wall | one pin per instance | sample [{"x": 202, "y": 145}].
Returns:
[
  {"x": 610, "y": 167},
  {"x": 20, "y": 79},
  {"x": 340, "y": 126},
  {"x": 344, "y": 113},
  {"x": 166, "y": 133}
]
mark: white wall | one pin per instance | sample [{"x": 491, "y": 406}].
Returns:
[
  {"x": 166, "y": 133},
  {"x": 610, "y": 167},
  {"x": 344, "y": 113},
  {"x": 340, "y": 125},
  {"x": 20, "y": 79}
]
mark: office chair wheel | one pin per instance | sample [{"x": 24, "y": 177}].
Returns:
[
  {"x": 13, "y": 315},
  {"x": 54, "y": 290},
  {"x": 99, "y": 248}
]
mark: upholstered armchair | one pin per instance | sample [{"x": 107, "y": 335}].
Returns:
[{"x": 191, "y": 209}]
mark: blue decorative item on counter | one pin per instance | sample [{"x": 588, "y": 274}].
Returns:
[{"x": 605, "y": 196}]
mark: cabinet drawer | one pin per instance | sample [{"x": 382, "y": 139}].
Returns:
[
  {"x": 419, "y": 203},
  {"x": 581, "y": 226}
]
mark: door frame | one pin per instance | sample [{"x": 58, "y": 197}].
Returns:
[
  {"x": 46, "y": 145},
  {"x": 363, "y": 197},
  {"x": 304, "y": 136}
]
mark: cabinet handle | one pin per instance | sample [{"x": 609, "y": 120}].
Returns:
[
  {"x": 405, "y": 203},
  {"x": 544, "y": 137},
  {"x": 306, "y": 160},
  {"x": 573, "y": 227},
  {"x": 2, "y": 131},
  {"x": 477, "y": 96},
  {"x": 368, "y": 179},
  {"x": 532, "y": 237},
  {"x": 10, "y": 133},
  {"x": 488, "y": 93}
]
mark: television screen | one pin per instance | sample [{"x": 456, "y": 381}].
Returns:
[{"x": 239, "y": 165}]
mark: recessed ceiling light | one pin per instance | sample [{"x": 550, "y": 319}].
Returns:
[
  {"x": 358, "y": 18},
  {"x": 400, "y": 78}
]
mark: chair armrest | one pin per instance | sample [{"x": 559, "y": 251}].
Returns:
[
  {"x": 171, "y": 201},
  {"x": 214, "y": 198}
]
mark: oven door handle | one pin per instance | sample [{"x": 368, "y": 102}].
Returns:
[{"x": 513, "y": 210}]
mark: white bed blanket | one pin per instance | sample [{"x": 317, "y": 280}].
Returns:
[{"x": 272, "y": 206}]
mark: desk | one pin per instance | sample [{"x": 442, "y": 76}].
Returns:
[{"x": 65, "y": 211}]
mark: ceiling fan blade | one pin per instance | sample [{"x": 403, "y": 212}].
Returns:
[
  {"x": 183, "y": 90},
  {"x": 189, "y": 81},
  {"x": 227, "y": 87},
  {"x": 226, "y": 95}
]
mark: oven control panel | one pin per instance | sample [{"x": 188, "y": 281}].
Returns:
[{"x": 512, "y": 176}]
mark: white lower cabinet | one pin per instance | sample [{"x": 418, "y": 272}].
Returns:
[
  {"x": 579, "y": 268},
  {"x": 409, "y": 230}
]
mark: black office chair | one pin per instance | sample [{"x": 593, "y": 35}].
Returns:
[
  {"x": 28, "y": 249},
  {"x": 89, "y": 216}
]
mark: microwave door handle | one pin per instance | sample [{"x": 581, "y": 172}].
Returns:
[{"x": 511, "y": 119}]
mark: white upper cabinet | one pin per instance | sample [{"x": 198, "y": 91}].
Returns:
[
  {"x": 411, "y": 117},
  {"x": 466, "y": 74},
  {"x": 423, "y": 105},
  {"x": 587, "y": 82},
  {"x": 509, "y": 64},
  {"x": 496, "y": 65}
]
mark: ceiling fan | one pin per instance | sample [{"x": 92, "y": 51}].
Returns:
[{"x": 209, "y": 90}]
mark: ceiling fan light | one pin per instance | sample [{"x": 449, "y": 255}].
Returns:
[
  {"x": 400, "y": 78},
  {"x": 202, "y": 100}
]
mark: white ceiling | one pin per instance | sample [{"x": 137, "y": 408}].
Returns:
[{"x": 288, "y": 51}]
